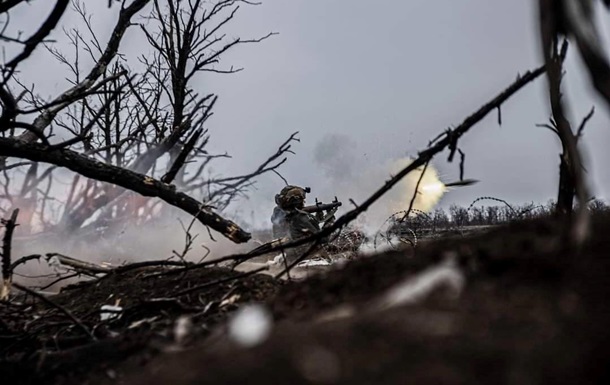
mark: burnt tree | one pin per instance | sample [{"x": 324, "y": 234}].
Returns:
[{"x": 134, "y": 128}]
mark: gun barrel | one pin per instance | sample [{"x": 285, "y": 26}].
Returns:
[{"x": 321, "y": 207}]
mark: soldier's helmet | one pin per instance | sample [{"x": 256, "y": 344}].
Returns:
[{"x": 291, "y": 197}]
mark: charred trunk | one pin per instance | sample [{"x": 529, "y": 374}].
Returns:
[{"x": 567, "y": 190}]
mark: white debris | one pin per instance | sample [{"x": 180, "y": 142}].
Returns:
[
  {"x": 339, "y": 312},
  {"x": 230, "y": 301},
  {"x": 6, "y": 289},
  {"x": 142, "y": 322},
  {"x": 182, "y": 329},
  {"x": 111, "y": 373},
  {"x": 415, "y": 289},
  {"x": 314, "y": 262},
  {"x": 56, "y": 264},
  {"x": 110, "y": 312},
  {"x": 382, "y": 245},
  {"x": 276, "y": 260},
  {"x": 250, "y": 325},
  {"x": 279, "y": 260}
]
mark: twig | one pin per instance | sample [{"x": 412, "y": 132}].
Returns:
[
  {"x": 462, "y": 162},
  {"x": 139, "y": 265},
  {"x": 181, "y": 158},
  {"x": 286, "y": 264},
  {"x": 264, "y": 167},
  {"x": 46, "y": 28},
  {"x": 219, "y": 281},
  {"x": 499, "y": 115},
  {"x": 584, "y": 122},
  {"x": 23, "y": 260},
  {"x": 69, "y": 142},
  {"x": 281, "y": 177},
  {"x": 421, "y": 176},
  {"x": 57, "y": 306},
  {"x": 62, "y": 278}
]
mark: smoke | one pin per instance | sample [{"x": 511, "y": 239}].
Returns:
[
  {"x": 334, "y": 157},
  {"x": 158, "y": 239},
  {"x": 349, "y": 175},
  {"x": 430, "y": 191}
]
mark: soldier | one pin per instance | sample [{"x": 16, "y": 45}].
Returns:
[
  {"x": 278, "y": 218},
  {"x": 289, "y": 219}
]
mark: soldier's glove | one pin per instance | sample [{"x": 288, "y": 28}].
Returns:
[
  {"x": 320, "y": 216},
  {"x": 328, "y": 222},
  {"x": 329, "y": 218},
  {"x": 330, "y": 215}
]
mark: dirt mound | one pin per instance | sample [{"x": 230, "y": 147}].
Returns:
[
  {"x": 513, "y": 305},
  {"x": 39, "y": 342}
]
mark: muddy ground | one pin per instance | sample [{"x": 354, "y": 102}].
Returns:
[{"x": 514, "y": 305}]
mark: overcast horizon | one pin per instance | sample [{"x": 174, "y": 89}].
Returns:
[{"x": 378, "y": 82}]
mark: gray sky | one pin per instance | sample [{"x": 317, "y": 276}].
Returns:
[
  {"x": 378, "y": 80},
  {"x": 392, "y": 76}
]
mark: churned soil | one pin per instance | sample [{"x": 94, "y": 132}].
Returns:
[{"x": 530, "y": 309}]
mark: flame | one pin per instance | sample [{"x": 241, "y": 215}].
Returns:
[
  {"x": 430, "y": 190},
  {"x": 368, "y": 179},
  {"x": 433, "y": 188}
]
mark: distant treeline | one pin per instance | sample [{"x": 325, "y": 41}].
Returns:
[
  {"x": 478, "y": 215},
  {"x": 458, "y": 216}
]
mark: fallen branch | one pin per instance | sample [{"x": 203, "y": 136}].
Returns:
[
  {"x": 142, "y": 184},
  {"x": 412, "y": 202},
  {"x": 23, "y": 260},
  {"x": 58, "y": 280},
  {"x": 78, "y": 265}
]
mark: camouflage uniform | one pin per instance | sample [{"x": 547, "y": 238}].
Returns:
[
  {"x": 301, "y": 224},
  {"x": 292, "y": 221},
  {"x": 279, "y": 224}
]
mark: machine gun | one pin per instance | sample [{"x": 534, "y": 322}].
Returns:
[{"x": 319, "y": 206}]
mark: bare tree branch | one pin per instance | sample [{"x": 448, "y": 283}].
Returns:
[
  {"x": 74, "y": 93},
  {"x": 179, "y": 162},
  {"x": 581, "y": 128},
  {"x": 577, "y": 19},
  {"x": 6, "y": 5},
  {"x": 139, "y": 183},
  {"x": 44, "y": 30}
]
